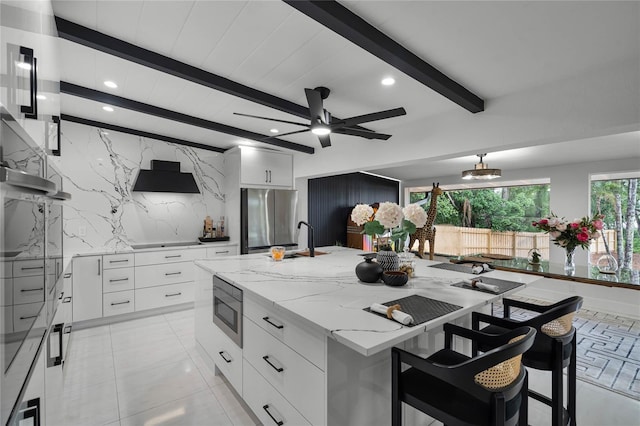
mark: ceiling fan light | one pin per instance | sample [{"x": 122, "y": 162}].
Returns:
[
  {"x": 481, "y": 171},
  {"x": 320, "y": 130}
]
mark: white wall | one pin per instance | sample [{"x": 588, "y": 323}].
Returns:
[{"x": 99, "y": 171}]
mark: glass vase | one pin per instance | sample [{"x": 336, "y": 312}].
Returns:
[{"x": 569, "y": 263}]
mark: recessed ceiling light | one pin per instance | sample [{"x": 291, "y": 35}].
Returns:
[
  {"x": 274, "y": 130},
  {"x": 110, "y": 84},
  {"x": 41, "y": 97},
  {"x": 388, "y": 81},
  {"x": 244, "y": 142},
  {"x": 107, "y": 108},
  {"x": 23, "y": 65}
]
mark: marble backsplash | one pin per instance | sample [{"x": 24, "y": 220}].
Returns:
[{"x": 99, "y": 169}]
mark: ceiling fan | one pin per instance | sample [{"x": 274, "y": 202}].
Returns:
[{"x": 322, "y": 124}]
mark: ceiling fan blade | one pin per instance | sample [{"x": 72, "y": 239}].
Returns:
[
  {"x": 361, "y": 133},
  {"x": 271, "y": 119},
  {"x": 316, "y": 110},
  {"x": 285, "y": 134},
  {"x": 325, "y": 140},
  {"x": 374, "y": 116}
]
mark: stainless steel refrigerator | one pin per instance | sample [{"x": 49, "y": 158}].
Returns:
[{"x": 268, "y": 218}]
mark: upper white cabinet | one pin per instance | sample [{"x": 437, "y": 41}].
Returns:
[
  {"x": 261, "y": 168},
  {"x": 29, "y": 68}
]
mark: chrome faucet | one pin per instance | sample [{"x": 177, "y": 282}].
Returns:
[{"x": 312, "y": 251}]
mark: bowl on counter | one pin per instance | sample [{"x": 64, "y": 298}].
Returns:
[{"x": 395, "y": 278}]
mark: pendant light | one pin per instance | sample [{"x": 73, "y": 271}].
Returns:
[{"x": 481, "y": 171}]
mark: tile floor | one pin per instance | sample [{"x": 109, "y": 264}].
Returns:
[{"x": 147, "y": 372}]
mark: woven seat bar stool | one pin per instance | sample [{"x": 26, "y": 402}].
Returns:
[
  {"x": 553, "y": 350},
  {"x": 459, "y": 390}
]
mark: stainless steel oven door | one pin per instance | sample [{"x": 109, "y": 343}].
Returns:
[{"x": 227, "y": 309}]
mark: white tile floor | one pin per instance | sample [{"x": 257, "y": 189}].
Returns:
[
  {"x": 147, "y": 372},
  {"x": 143, "y": 372}
]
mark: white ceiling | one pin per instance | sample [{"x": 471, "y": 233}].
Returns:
[{"x": 492, "y": 48}]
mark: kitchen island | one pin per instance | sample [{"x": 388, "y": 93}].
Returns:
[{"x": 311, "y": 354}]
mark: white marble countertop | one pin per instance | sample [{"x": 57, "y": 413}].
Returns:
[
  {"x": 325, "y": 293},
  {"x": 96, "y": 251}
]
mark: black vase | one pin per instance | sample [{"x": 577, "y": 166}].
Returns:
[{"x": 369, "y": 271}]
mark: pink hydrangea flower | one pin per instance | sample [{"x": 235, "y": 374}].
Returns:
[
  {"x": 598, "y": 224},
  {"x": 582, "y": 237}
]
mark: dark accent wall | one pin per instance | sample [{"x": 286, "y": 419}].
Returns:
[{"x": 332, "y": 198}]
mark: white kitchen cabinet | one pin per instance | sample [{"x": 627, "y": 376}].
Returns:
[
  {"x": 167, "y": 256},
  {"x": 28, "y": 36},
  {"x": 222, "y": 250},
  {"x": 265, "y": 168},
  {"x": 164, "y": 295},
  {"x": 118, "y": 302},
  {"x": 114, "y": 261},
  {"x": 299, "y": 381},
  {"x": 170, "y": 273},
  {"x": 118, "y": 279},
  {"x": 87, "y": 288}
]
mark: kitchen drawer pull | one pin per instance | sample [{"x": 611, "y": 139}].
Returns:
[
  {"x": 118, "y": 279},
  {"x": 31, "y": 110},
  {"x": 222, "y": 252},
  {"x": 120, "y": 303},
  {"x": 266, "y": 408},
  {"x": 24, "y": 290},
  {"x": 224, "y": 357},
  {"x": 31, "y": 316},
  {"x": 29, "y": 268},
  {"x": 67, "y": 275},
  {"x": 278, "y": 369},
  {"x": 278, "y": 326},
  {"x": 118, "y": 261},
  {"x": 173, "y": 294},
  {"x": 172, "y": 273},
  {"x": 173, "y": 256},
  {"x": 61, "y": 297},
  {"x": 67, "y": 329},
  {"x": 66, "y": 300},
  {"x": 99, "y": 266}
]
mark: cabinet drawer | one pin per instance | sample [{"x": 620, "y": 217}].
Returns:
[
  {"x": 165, "y": 295},
  {"x": 118, "y": 279},
  {"x": 227, "y": 356},
  {"x": 171, "y": 273},
  {"x": 28, "y": 289},
  {"x": 267, "y": 404},
  {"x": 118, "y": 261},
  {"x": 307, "y": 342},
  {"x": 25, "y": 268},
  {"x": 6, "y": 291},
  {"x": 217, "y": 251},
  {"x": 299, "y": 381},
  {"x": 165, "y": 256},
  {"x": 24, "y": 315},
  {"x": 119, "y": 302}
]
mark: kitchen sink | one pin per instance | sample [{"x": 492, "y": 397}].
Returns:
[{"x": 160, "y": 245}]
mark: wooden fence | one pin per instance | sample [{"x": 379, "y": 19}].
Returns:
[{"x": 458, "y": 241}]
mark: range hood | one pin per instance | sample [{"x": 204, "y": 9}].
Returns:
[{"x": 165, "y": 176}]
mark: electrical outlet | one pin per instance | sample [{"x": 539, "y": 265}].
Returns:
[{"x": 82, "y": 231}]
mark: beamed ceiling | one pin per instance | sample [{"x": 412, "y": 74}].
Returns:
[{"x": 184, "y": 67}]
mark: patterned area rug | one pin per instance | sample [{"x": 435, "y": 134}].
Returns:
[{"x": 608, "y": 353}]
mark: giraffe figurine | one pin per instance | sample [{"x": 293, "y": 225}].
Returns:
[{"x": 428, "y": 231}]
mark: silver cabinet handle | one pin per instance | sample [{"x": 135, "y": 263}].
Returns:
[
  {"x": 120, "y": 303},
  {"x": 173, "y": 256},
  {"x": 266, "y": 176},
  {"x": 99, "y": 266},
  {"x": 67, "y": 275},
  {"x": 24, "y": 290},
  {"x": 173, "y": 294},
  {"x": 222, "y": 252},
  {"x": 119, "y": 261},
  {"x": 118, "y": 280},
  {"x": 31, "y": 316},
  {"x": 66, "y": 300},
  {"x": 172, "y": 273},
  {"x": 30, "y": 268}
]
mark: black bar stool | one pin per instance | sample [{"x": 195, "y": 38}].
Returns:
[
  {"x": 553, "y": 350},
  {"x": 458, "y": 390}
]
